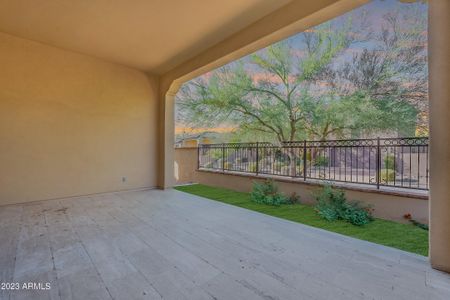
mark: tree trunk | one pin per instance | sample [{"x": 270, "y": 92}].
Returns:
[{"x": 293, "y": 162}]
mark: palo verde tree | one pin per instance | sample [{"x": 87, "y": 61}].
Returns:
[
  {"x": 273, "y": 92},
  {"x": 286, "y": 93}
]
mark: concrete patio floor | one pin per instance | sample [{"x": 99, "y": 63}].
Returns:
[{"x": 167, "y": 244}]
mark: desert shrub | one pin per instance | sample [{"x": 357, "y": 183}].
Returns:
[
  {"x": 333, "y": 205},
  {"x": 330, "y": 203},
  {"x": 282, "y": 163},
  {"x": 281, "y": 157},
  {"x": 216, "y": 154},
  {"x": 387, "y": 175},
  {"x": 267, "y": 193},
  {"x": 389, "y": 162},
  {"x": 321, "y": 161},
  {"x": 357, "y": 214}
]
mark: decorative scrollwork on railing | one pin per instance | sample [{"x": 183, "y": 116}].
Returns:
[
  {"x": 419, "y": 141},
  {"x": 393, "y": 162},
  {"x": 342, "y": 143},
  {"x": 415, "y": 141}
]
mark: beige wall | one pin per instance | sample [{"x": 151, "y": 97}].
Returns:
[
  {"x": 439, "y": 89},
  {"x": 386, "y": 206},
  {"x": 71, "y": 124},
  {"x": 185, "y": 165}
]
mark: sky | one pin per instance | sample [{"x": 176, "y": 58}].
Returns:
[{"x": 372, "y": 14}]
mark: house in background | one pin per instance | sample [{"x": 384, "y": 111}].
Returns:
[{"x": 193, "y": 141}]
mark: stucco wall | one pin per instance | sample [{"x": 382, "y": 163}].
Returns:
[
  {"x": 185, "y": 165},
  {"x": 386, "y": 206},
  {"x": 71, "y": 124}
]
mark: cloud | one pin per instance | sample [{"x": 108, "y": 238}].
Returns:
[{"x": 272, "y": 78}]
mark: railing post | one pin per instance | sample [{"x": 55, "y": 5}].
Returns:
[
  {"x": 304, "y": 160},
  {"x": 378, "y": 163},
  {"x": 198, "y": 156},
  {"x": 223, "y": 157},
  {"x": 257, "y": 158}
]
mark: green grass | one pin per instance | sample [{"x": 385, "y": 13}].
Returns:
[{"x": 402, "y": 236}]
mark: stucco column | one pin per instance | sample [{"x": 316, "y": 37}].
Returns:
[
  {"x": 169, "y": 151},
  {"x": 167, "y": 92},
  {"x": 439, "y": 89}
]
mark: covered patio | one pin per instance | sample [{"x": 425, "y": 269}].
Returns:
[{"x": 153, "y": 244}]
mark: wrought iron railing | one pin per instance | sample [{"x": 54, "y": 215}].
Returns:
[{"x": 393, "y": 162}]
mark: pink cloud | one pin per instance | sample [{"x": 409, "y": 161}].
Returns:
[{"x": 256, "y": 77}]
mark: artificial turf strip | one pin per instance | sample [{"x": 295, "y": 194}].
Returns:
[{"x": 402, "y": 236}]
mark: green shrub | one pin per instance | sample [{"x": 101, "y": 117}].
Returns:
[
  {"x": 332, "y": 205},
  {"x": 267, "y": 193},
  {"x": 389, "y": 162},
  {"x": 252, "y": 167},
  {"x": 387, "y": 175},
  {"x": 321, "y": 161},
  {"x": 357, "y": 214}
]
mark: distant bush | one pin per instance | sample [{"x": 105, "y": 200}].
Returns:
[
  {"x": 321, "y": 161},
  {"x": 387, "y": 175},
  {"x": 267, "y": 193},
  {"x": 252, "y": 167},
  {"x": 332, "y": 205},
  {"x": 216, "y": 154},
  {"x": 227, "y": 165},
  {"x": 282, "y": 163},
  {"x": 389, "y": 162}
]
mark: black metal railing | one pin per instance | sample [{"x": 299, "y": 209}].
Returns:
[{"x": 393, "y": 162}]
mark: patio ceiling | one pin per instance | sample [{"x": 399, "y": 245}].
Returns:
[{"x": 152, "y": 36}]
